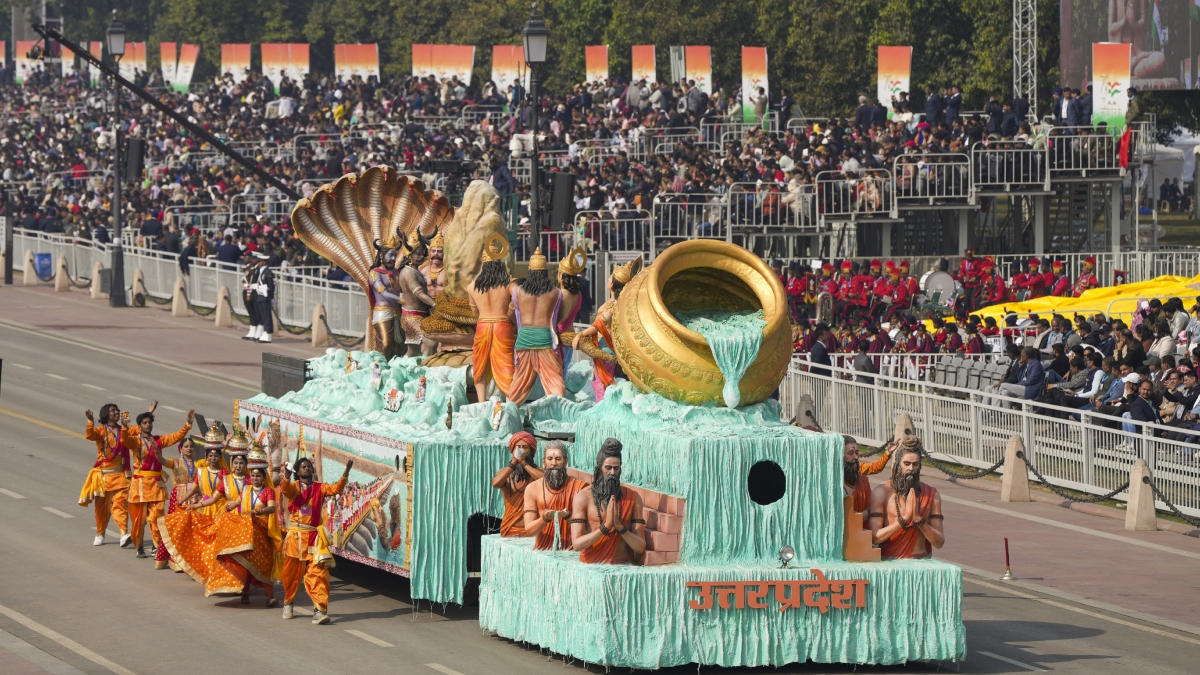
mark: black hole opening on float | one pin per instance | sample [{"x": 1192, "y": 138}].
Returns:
[{"x": 766, "y": 483}]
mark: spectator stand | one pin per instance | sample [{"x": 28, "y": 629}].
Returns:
[{"x": 964, "y": 425}]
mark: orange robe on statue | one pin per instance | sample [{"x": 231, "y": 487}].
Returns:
[
  {"x": 872, "y": 468},
  {"x": 604, "y": 549},
  {"x": 902, "y": 543},
  {"x": 513, "y": 522},
  {"x": 560, "y": 501},
  {"x": 492, "y": 352},
  {"x": 862, "y": 497}
]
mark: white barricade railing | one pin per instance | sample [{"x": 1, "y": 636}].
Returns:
[
  {"x": 1009, "y": 166},
  {"x": 1083, "y": 152},
  {"x": 772, "y": 208},
  {"x": 1087, "y": 455},
  {"x": 933, "y": 180},
  {"x": 860, "y": 197},
  {"x": 653, "y": 137},
  {"x": 915, "y": 367},
  {"x": 681, "y": 216},
  {"x": 621, "y": 230}
]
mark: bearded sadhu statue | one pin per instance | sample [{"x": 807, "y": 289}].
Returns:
[{"x": 378, "y": 226}]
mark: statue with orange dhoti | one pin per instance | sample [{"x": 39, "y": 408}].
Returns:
[
  {"x": 306, "y": 546},
  {"x": 512, "y": 480},
  {"x": 606, "y": 367},
  {"x": 905, "y": 516},
  {"x": 495, "y": 335},
  {"x": 536, "y": 302},
  {"x": 607, "y": 525},
  {"x": 548, "y": 501},
  {"x": 570, "y": 269}
]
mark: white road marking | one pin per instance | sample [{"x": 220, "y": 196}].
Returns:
[
  {"x": 1073, "y": 528},
  {"x": 370, "y": 638},
  {"x": 442, "y": 669},
  {"x": 57, "y": 377},
  {"x": 136, "y": 398},
  {"x": 64, "y": 641},
  {"x": 114, "y": 535},
  {"x": 22, "y": 366},
  {"x": 36, "y": 656},
  {"x": 60, "y": 514},
  {"x": 92, "y": 386},
  {"x": 173, "y": 409},
  {"x": 12, "y": 494},
  {"x": 1077, "y": 610},
  {"x": 1013, "y": 662}
]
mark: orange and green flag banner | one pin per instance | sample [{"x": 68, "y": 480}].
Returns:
[
  {"x": 443, "y": 61},
  {"x": 754, "y": 76},
  {"x": 3, "y": 54},
  {"x": 358, "y": 59},
  {"x": 596, "y": 58},
  {"x": 185, "y": 67},
  {"x": 508, "y": 64},
  {"x": 134, "y": 60},
  {"x": 168, "y": 62},
  {"x": 25, "y": 65},
  {"x": 698, "y": 66},
  {"x": 644, "y": 67},
  {"x": 894, "y": 74},
  {"x": 97, "y": 50},
  {"x": 235, "y": 60},
  {"x": 281, "y": 60},
  {"x": 1110, "y": 82}
]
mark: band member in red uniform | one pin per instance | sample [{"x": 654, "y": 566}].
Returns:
[
  {"x": 1035, "y": 281},
  {"x": 974, "y": 343},
  {"x": 829, "y": 283},
  {"x": 900, "y": 295},
  {"x": 940, "y": 334},
  {"x": 910, "y": 282},
  {"x": 968, "y": 274},
  {"x": 1058, "y": 282},
  {"x": 920, "y": 341},
  {"x": 795, "y": 287},
  {"x": 1087, "y": 279},
  {"x": 954, "y": 343},
  {"x": 993, "y": 284}
]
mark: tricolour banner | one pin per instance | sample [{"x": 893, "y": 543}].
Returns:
[
  {"x": 68, "y": 60},
  {"x": 188, "y": 55},
  {"x": 3, "y": 54},
  {"x": 754, "y": 75},
  {"x": 596, "y": 58},
  {"x": 699, "y": 66},
  {"x": 24, "y": 66},
  {"x": 281, "y": 60},
  {"x": 894, "y": 74},
  {"x": 443, "y": 61},
  {"x": 508, "y": 64},
  {"x": 1110, "y": 81},
  {"x": 235, "y": 60},
  {"x": 168, "y": 62},
  {"x": 134, "y": 60},
  {"x": 644, "y": 67},
  {"x": 97, "y": 50},
  {"x": 360, "y": 60}
]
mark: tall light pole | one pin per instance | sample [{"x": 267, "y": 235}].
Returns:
[
  {"x": 535, "y": 36},
  {"x": 116, "y": 288}
]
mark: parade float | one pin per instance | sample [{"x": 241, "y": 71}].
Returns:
[{"x": 753, "y": 555}]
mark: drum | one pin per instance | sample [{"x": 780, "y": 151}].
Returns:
[{"x": 935, "y": 281}]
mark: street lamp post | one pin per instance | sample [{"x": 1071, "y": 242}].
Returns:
[
  {"x": 535, "y": 36},
  {"x": 116, "y": 289}
]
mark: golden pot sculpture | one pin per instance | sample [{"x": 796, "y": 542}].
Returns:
[{"x": 660, "y": 355}]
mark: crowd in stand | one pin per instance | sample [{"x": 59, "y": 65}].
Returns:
[{"x": 58, "y": 140}]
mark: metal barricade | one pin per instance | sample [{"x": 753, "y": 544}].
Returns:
[
  {"x": 1084, "y": 152},
  {"x": 652, "y": 138},
  {"x": 869, "y": 196},
  {"x": 941, "y": 180},
  {"x": 615, "y": 230},
  {"x": 1004, "y": 167},
  {"x": 768, "y": 207},
  {"x": 682, "y": 216}
]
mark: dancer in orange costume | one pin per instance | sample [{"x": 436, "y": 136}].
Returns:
[
  {"x": 107, "y": 484},
  {"x": 306, "y": 548},
  {"x": 147, "y": 493}
]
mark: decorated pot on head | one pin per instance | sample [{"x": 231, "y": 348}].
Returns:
[
  {"x": 239, "y": 443},
  {"x": 659, "y": 354},
  {"x": 257, "y": 458}
]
